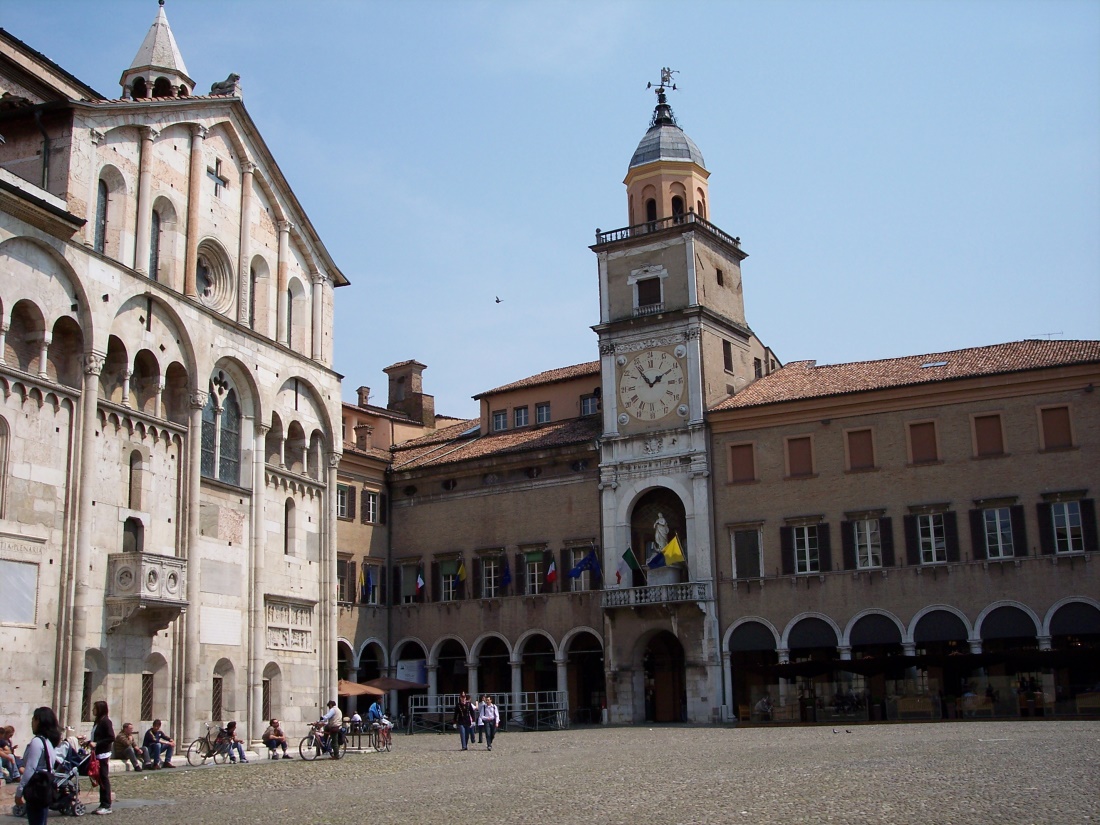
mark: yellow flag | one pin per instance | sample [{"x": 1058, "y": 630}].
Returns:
[
  {"x": 462, "y": 570},
  {"x": 673, "y": 553}
]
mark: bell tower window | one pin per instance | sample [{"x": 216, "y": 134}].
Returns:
[
  {"x": 678, "y": 209},
  {"x": 649, "y": 292},
  {"x": 651, "y": 210}
]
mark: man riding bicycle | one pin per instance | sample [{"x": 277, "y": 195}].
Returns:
[{"x": 331, "y": 724}]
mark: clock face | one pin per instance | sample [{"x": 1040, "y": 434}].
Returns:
[{"x": 651, "y": 385}]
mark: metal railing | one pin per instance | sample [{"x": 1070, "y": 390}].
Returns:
[
  {"x": 660, "y": 225},
  {"x": 537, "y": 710},
  {"x": 656, "y": 594}
]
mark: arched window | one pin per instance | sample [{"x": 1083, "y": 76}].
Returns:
[
  {"x": 289, "y": 316},
  {"x": 135, "y": 481},
  {"x": 288, "y": 528},
  {"x": 154, "y": 245},
  {"x": 678, "y": 209},
  {"x": 229, "y": 466},
  {"x": 651, "y": 210},
  {"x": 252, "y": 278},
  {"x": 3, "y": 461},
  {"x": 139, "y": 89},
  {"x": 103, "y": 198},
  {"x": 162, "y": 87},
  {"x": 133, "y": 536},
  {"x": 209, "y": 436}
]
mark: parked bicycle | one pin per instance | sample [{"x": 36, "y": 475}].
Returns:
[
  {"x": 317, "y": 742},
  {"x": 212, "y": 746},
  {"x": 381, "y": 735}
]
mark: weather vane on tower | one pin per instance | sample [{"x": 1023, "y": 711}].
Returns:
[{"x": 663, "y": 112}]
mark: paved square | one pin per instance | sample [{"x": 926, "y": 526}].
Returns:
[{"x": 978, "y": 772}]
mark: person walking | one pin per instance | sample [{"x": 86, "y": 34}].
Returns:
[
  {"x": 39, "y": 753},
  {"x": 103, "y": 741},
  {"x": 490, "y": 718},
  {"x": 464, "y": 719},
  {"x": 477, "y": 715}
]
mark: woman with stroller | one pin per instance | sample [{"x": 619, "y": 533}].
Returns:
[
  {"x": 47, "y": 735},
  {"x": 103, "y": 740}
]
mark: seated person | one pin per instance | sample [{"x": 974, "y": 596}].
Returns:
[
  {"x": 356, "y": 722},
  {"x": 274, "y": 738},
  {"x": 8, "y": 762},
  {"x": 157, "y": 742},
  {"x": 126, "y": 748},
  {"x": 764, "y": 708},
  {"x": 236, "y": 747}
]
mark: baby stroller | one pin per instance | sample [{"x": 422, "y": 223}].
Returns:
[{"x": 71, "y": 759}]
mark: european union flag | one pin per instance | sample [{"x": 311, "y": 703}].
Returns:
[
  {"x": 506, "y": 577},
  {"x": 658, "y": 560},
  {"x": 589, "y": 562}
]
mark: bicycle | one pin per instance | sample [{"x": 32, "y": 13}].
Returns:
[
  {"x": 381, "y": 735},
  {"x": 318, "y": 741},
  {"x": 211, "y": 746}
]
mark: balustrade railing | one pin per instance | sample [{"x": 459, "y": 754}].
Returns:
[
  {"x": 660, "y": 225},
  {"x": 656, "y": 594}
]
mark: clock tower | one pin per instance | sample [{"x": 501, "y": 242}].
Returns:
[{"x": 673, "y": 342}]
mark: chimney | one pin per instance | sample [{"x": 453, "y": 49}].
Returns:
[
  {"x": 406, "y": 392},
  {"x": 364, "y": 396}
]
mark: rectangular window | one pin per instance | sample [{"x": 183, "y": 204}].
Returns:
[
  {"x": 590, "y": 404},
  {"x": 922, "y": 442},
  {"x": 719, "y": 277},
  {"x": 649, "y": 292},
  {"x": 542, "y": 413},
  {"x": 500, "y": 420},
  {"x": 370, "y": 507},
  {"x": 998, "y": 532},
  {"x": 727, "y": 356},
  {"x": 861, "y": 450},
  {"x": 534, "y": 570},
  {"x": 747, "y": 547},
  {"x": 147, "y": 697},
  {"x": 868, "y": 543},
  {"x": 742, "y": 463},
  {"x": 1068, "y": 537},
  {"x": 988, "y": 439},
  {"x": 371, "y": 581},
  {"x": 1056, "y": 429},
  {"x": 342, "y": 501},
  {"x": 806, "y": 559},
  {"x": 20, "y": 602},
  {"x": 758, "y": 367},
  {"x": 448, "y": 580},
  {"x": 409, "y": 572},
  {"x": 584, "y": 580},
  {"x": 519, "y": 415},
  {"x": 345, "y": 573},
  {"x": 216, "y": 700},
  {"x": 491, "y": 570},
  {"x": 800, "y": 457},
  {"x": 932, "y": 538}
]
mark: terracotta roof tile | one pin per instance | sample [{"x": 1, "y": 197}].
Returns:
[
  {"x": 462, "y": 445},
  {"x": 804, "y": 379},
  {"x": 548, "y": 377}
]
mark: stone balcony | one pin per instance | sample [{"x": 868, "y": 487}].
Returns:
[
  {"x": 144, "y": 590},
  {"x": 657, "y": 595}
]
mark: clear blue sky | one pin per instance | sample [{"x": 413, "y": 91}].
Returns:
[{"x": 907, "y": 177}]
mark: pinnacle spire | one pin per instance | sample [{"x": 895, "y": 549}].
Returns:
[{"x": 159, "y": 58}]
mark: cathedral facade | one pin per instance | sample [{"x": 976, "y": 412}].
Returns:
[{"x": 169, "y": 415}]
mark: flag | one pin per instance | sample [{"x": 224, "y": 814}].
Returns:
[
  {"x": 419, "y": 580},
  {"x": 626, "y": 564},
  {"x": 370, "y": 586},
  {"x": 658, "y": 560},
  {"x": 673, "y": 552},
  {"x": 462, "y": 570},
  {"x": 506, "y": 576},
  {"x": 363, "y": 591},
  {"x": 589, "y": 562},
  {"x": 552, "y": 573}
]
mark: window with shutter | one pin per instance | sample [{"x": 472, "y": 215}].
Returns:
[
  {"x": 1056, "y": 431},
  {"x": 800, "y": 461},
  {"x": 988, "y": 439},
  {"x": 742, "y": 463},
  {"x": 747, "y": 562},
  {"x": 861, "y": 451},
  {"x": 922, "y": 442}
]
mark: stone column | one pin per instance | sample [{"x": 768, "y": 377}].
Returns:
[
  {"x": 317, "y": 281},
  {"x": 728, "y": 702},
  {"x": 562, "y": 666},
  {"x": 517, "y": 688},
  {"x": 144, "y": 201},
  {"x": 975, "y": 646},
  {"x": 4, "y": 327},
  {"x": 158, "y": 403},
  {"x": 194, "y": 198},
  {"x": 471, "y": 676},
  {"x": 1044, "y": 642},
  {"x": 845, "y": 653},
  {"x": 192, "y": 662},
  {"x": 245, "y": 298},
  {"x": 44, "y": 355},
  {"x": 82, "y": 566},
  {"x": 282, "y": 280},
  {"x": 433, "y": 681},
  {"x": 256, "y": 614},
  {"x": 126, "y": 387},
  {"x": 328, "y": 561}
]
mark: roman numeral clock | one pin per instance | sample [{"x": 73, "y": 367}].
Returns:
[{"x": 651, "y": 384}]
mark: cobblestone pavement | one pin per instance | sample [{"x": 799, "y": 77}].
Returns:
[{"x": 977, "y": 772}]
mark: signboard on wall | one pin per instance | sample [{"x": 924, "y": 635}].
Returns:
[{"x": 413, "y": 670}]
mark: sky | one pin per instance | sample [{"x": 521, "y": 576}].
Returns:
[{"x": 907, "y": 177}]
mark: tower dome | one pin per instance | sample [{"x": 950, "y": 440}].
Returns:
[{"x": 667, "y": 178}]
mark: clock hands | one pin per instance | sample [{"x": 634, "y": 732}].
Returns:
[{"x": 647, "y": 381}]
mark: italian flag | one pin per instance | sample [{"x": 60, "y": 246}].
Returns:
[
  {"x": 626, "y": 564},
  {"x": 552, "y": 572},
  {"x": 419, "y": 580}
]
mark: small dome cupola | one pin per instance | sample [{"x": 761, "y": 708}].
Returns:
[
  {"x": 158, "y": 69},
  {"x": 667, "y": 176}
]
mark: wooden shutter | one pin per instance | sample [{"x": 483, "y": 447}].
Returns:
[
  {"x": 786, "y": 549},
  {"x": 912, "y": 541},
  {"x": 988, "y": 438},
  {"x": 742, "y": 464},
  {"x": 886, "y": 536},
  {"x": 595, "y": 577},
  {"x": 398, "y": 594},
  {"x": 1046, "y": 528},
  {"x": 519, "y": 575},
  {"x": 848, "y": 545},
  {"x": 436, "y": 583},
  {"x": 800, "y": 459},
  {"x": 566, "y": 565},
  {"x": 977, "y": 535},
  {"x": 861, "y": 454},
  {"x": 351, "y": 502},
  {"x": 824, "y": 548},
  {"x": 922, "y": 441},
  {"x": 383, "y": 593},
  {"x": 476, "y": 567},
  {"x": 1056, "y": 430},
  {"x": 383, "y": 507},
  {"x": 1088, "y": 525},
  {"x": 1019, "y": 530},
  {"x": 364, "y": 511},
  {"x": 951, "y": 535},
  {"x": 353, "y": 584}
]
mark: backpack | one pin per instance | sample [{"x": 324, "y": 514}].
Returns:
[{"x": 40, "y": 790}]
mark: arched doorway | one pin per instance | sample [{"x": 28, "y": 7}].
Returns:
[
  {"x": 494, "y": 673},
  {"x": 752, "y": 659},
  {"x": 943, "y": 663},
  {"x": 1011, "y": 675},
  {"x": 665, "y": 691},
  {"x": 344, "y": 657},
  {"x": 450, "y": 672},
  {"x": 585, "y": 678},
  {"x": 1075, "y": 651},
  {"x": 538, "y": 672}
]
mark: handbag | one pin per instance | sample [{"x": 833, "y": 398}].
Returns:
[
  {"x": 40, "y": 789},
  {"x": 93, "y": 769}
]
